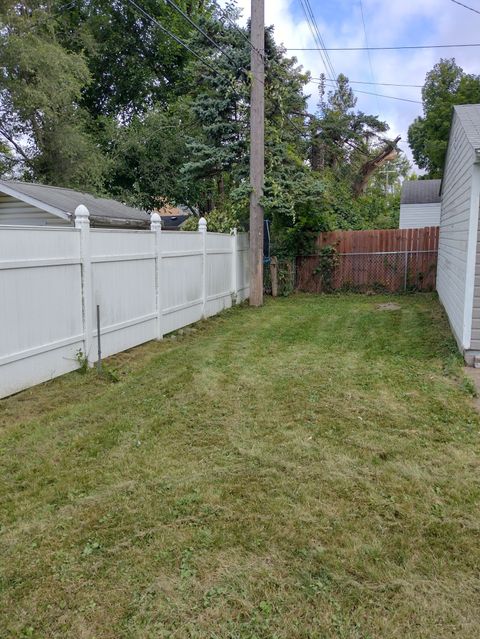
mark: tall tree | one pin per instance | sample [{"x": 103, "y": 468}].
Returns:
[
  {"x": 41, "y": 120},
  {"x": 445, "y": 85},
  {"x": 134, "y": 65},
  {"x": 348, "y": 142}
]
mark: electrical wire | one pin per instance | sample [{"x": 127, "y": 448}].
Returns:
[
  {"x": 199, "y": 29},
  {"x": 225, "y": 15},
  {"x": 465, "y": 6},
  {"x": 368, "y": 51},
  {"x": 382, "y": 95},
  {"x": 401, "y": 48},
  {"x": 383, "y": 84},
  {"x": 174, "y": 37},
  {"x": 390, "y": 97},
  {"x": 313, "y": 26},
  {"x": 183, "y": 44}
]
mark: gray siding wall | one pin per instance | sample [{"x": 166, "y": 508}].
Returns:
[
  {"x": 16, "y": 212},
  {"x": 454, "y": 232},
  {"x": 475, "y": 338},
  {"x": 414, "y": 216}
]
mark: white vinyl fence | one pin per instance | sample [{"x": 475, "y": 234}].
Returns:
[{"x": 146, "y": 284}]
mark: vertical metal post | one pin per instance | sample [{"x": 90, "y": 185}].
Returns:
[
  {"x": 406, "y": 272},
  {"x": 99, "y": 340},
  {"x": 257, "y": 150}
]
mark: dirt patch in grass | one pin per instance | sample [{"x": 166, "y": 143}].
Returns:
[
  {"x": 308, "y": 469},
  {"x": 388, "y": 306}
]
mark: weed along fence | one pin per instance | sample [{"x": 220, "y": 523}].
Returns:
[
  {"x": 393, "y": 260},
  {"x": 145, "y": 284}
]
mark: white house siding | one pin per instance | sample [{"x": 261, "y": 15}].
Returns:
[
  {"x": 16, "y": 212},
  {"x": 475, "y": 197},
  {"x": 414, "y": 216},
  {"x": 455, "y": 249}
]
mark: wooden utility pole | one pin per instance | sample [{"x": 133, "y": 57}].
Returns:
[{"x": 257, "y": 150}]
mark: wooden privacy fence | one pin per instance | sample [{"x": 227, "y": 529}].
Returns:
[
  {"x": 145, "y": 283},
  {"x": 391, "y": 260}
]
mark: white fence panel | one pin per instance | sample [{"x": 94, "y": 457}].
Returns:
[
  {"x": 181, "y": 279},
  {"x": 123, "y": 286},
  {"x": 219, "y": 268},
  {"x": 40, "y": 305},
  {"x": 146, "y": 284}
]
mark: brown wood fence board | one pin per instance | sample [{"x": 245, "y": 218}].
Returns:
[{"x": 396, "y": 250}]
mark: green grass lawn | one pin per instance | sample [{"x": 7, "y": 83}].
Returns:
[{"x": 309, "y": 469}]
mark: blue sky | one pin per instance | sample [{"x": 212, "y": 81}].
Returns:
[{"x": 388, "y": 23}]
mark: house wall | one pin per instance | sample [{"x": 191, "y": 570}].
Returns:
[
  {"x": 419, "y": 215},
  {"x": 475, "y": 205},
  {"x": 458, "y": 234},
  {"x": 146, "y": 283},
  {"x": 13, "y": 211}
]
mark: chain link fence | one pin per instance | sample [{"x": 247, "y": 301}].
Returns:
[
  {"x": 389, "y": 272},
  {"x": 286, "y": 276}
]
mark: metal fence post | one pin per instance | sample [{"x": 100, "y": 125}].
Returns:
[
  {"x": 406, "y": 273},
  {"x": 99, "y": 341},
  {"x": 82, "y": 222},
  {"x": 156, "y": 227},
  {"x": 202, "y": 227}
]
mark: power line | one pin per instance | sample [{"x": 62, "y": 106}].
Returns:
[
  {"x": 199, "y": 57},
  {"x": 383, "y": 84},
  {"x": 313, "y": 26},
  {"x": 225, "y": 15},
  {"x": 199, "y": 29},
  {"x": 390, "y": 97},
  {"x": 174, "y": 37},
  {"x": 422, "y": 46},
  {"x": 465, "y": 6},
  {"x": 366, "y": 44}
]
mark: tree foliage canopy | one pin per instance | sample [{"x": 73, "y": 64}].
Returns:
[
  {"x": 445, "y": 85},
  {"x": 96, "y": 96}
]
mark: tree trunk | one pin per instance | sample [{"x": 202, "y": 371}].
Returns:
[{"x": 389, "y": 152}]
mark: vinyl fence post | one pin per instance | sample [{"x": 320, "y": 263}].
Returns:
[
  {"x": 202, "y": 227},
  {"x": 234, "y": 266},
  {"x": 156, "y": 227},
  {"x": 82, "y": 222}
]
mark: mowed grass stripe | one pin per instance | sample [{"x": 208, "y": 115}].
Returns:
[{"x": 307, "y": 469}]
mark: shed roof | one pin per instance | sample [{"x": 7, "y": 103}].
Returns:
[
  {"x": 421, "y": 192},
  {"x": 60, "y": 201},
  {"x": 469, "y": 116}
]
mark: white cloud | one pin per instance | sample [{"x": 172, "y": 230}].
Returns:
[{"x": 394, "y": 23}]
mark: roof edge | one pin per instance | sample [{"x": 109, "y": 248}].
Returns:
[{"x": 34, "y": 202}]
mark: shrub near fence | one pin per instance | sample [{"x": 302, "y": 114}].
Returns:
[
  {"x": 392, "y": 260},
  {"x": 146, "y": 283}
]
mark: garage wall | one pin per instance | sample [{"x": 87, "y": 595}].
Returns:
[
  {"x": 415, "y": 216},
  {"x": 13, "y": 211},
  {"x": 457, "y": 243}
]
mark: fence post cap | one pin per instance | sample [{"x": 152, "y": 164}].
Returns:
[
  {"x": 82, "y": 216},
  {"x": 155, "y": 222},
  {"x": 202, "y": 225}
]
